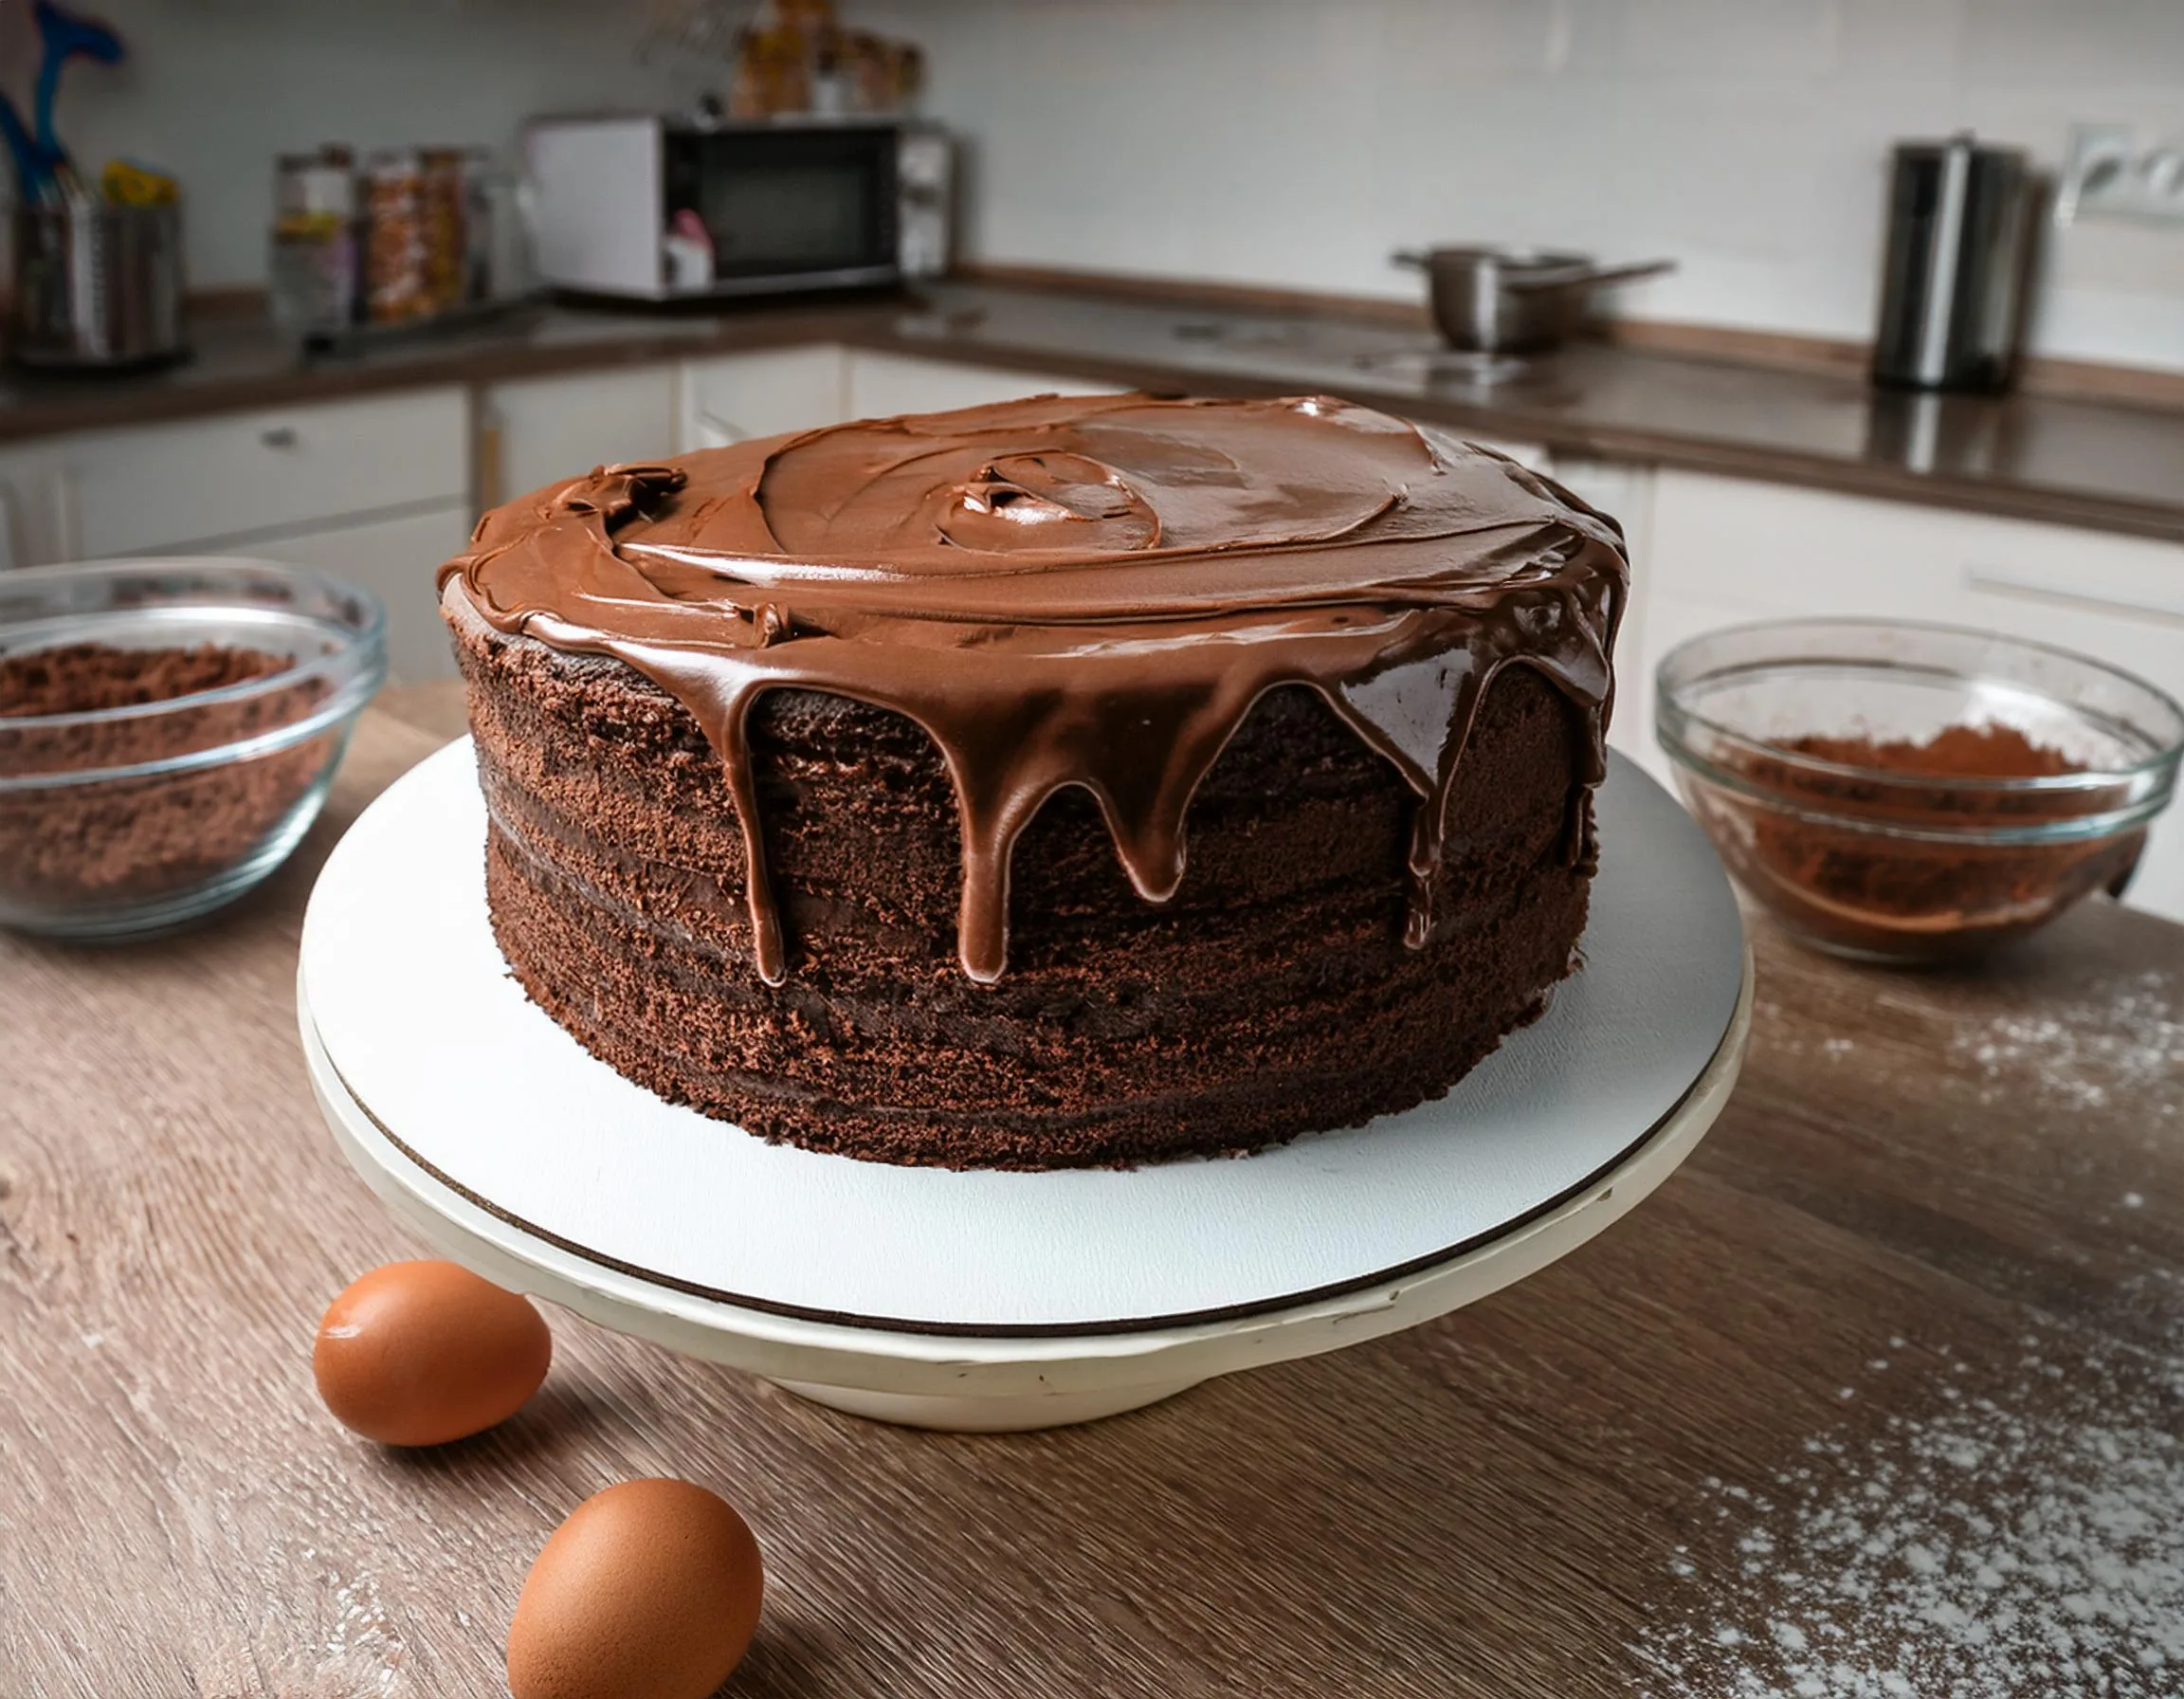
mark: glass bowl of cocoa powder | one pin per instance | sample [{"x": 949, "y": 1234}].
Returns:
[
  {"x": 1903, "y": 792},
  {"x": 168, "y": 731}
]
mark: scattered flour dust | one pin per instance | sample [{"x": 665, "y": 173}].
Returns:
[
  {"x": 2026, "y": 1545},
  {"x": 356, "y": 1651},
  {"x": 2077, "y": 1055}
]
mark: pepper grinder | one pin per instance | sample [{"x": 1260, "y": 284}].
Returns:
[{"x": 1953, "y": 282}]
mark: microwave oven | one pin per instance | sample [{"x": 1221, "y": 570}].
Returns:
[{"x": 651, "y": 207}]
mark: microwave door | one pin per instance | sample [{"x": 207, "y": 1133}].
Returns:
[{"x": 785, "y": 209}]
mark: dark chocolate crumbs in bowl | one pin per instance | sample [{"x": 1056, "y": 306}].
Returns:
[{"x": 134, "y": 838}]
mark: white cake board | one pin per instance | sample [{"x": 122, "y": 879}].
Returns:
[{"x": 994, "y": 1300}]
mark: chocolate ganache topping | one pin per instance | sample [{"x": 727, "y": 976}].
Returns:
[{"x": 1076, "y": 590}]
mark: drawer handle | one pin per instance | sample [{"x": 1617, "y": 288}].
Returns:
[
  {"x": 279, "y": 436},
  {"x": 2009, "y": 584}
]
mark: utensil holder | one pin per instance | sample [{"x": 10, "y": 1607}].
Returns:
[{"x": 96, "y": 287}]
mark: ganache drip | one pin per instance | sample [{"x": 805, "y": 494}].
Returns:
[{"x": 1078, "y": 590}]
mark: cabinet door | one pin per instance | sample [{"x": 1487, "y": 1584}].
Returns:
[
  {"x": 743, "y": 395},
  {"x": 221, "y": 482},
  {"x": 1625, "y": 493},
  {"x": 883, "y": 385},
  {"x": 2091, "y": 601},
  {"x": 35, "y": 511},
  {"x": 398, "y": 559},
  {"x": 1769, "y": 550},
  {"x": 548, "y": 429}
]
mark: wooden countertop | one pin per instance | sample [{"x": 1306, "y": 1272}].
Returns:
[
  {"x": 1902, "y": 1349},
  {"x": 2108, "y": 465}
]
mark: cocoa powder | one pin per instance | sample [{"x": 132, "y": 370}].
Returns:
[
  {"x": 1960, "y": 752},
  {"x": 114, "y": 843},
  {"x": 1857, "y": 890}
]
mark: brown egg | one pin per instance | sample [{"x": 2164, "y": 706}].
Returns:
[
  {"x": 421, "y": 1353},
  {"x": 649, "y": 1591}
]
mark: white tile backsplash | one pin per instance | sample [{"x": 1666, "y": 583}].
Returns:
[
  {"x": 1749, "y": 40},
  {"x": 1430, "y": 41},
  {"x": 1899, "y": 41},
  {"x": 1292, "y": 142},
  {"x": 2053, "y": 45},
  {"x": 1297, "y": 141}
]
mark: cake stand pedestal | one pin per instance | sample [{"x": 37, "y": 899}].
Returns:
[{"x": 984, "y": 1301}]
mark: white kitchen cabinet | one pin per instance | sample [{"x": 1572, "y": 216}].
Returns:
[
  {"x": 883, "y": 385},
  {"x": 398, "y": 559},
  {"x": 1726, "y": 550},
  {"x": 1625, "y": 493},
  {"x": 542, "y": 430},
  {"x": 1534, "y": 455},
  {"x": 1621, "y": 491},
  {"x": 35, "y": 510},
  {"x": 374, "y": 490},
  {"x": 215, "y": 485},
  {"x": 738, "y": 396}
]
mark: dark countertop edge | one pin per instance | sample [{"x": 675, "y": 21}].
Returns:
[
  {"x": 852, "y": 325},
  {"x": 57, "y": 413}
]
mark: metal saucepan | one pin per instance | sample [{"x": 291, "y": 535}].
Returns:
[{"x": 1515, "y": 300}]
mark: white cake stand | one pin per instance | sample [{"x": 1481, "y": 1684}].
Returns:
[{"x": 994, "y": 1300}]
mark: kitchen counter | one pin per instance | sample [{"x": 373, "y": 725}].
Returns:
[
  {"x": 1897, "y": 1354},
  {"x": 2106, "y": 465}
]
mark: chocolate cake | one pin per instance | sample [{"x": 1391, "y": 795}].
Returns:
[{"x": 840, "y": 784}]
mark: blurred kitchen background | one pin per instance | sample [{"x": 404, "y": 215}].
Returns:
[
  {"x": 1183, "y": 194},
  {"x": 1284, "y": 141}
]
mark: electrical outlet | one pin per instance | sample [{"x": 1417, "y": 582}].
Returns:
[{"x": 2109, "y": 175}]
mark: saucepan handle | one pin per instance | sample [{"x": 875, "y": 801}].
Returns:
[
  {"x": 1589, "y": 276},
  {"x": 1415, "y": 257}
]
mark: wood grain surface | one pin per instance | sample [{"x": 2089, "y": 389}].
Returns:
[{"x": 1533, "y": 1496}]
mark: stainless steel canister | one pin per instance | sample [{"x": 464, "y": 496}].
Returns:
[
  {"x": 1952, "y": 283},
  {"x": 97, "y": 285}
]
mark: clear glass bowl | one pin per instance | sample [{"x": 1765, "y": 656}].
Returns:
[
  {"x": 1861, "y": 856},
  {"x": 136, "y": 817}
]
